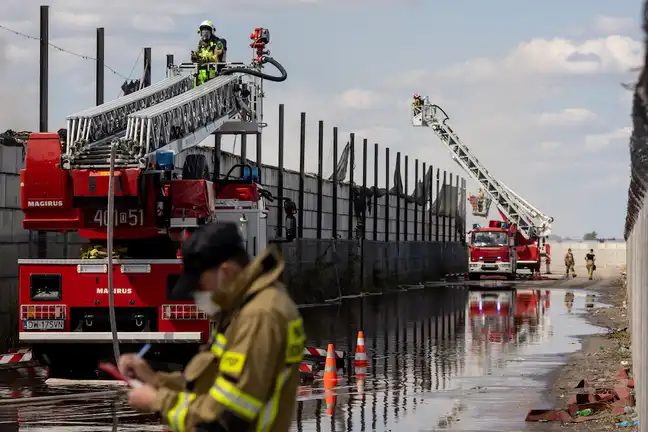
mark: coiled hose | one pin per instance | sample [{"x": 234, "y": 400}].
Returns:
[{"x": 258, "y": 73}]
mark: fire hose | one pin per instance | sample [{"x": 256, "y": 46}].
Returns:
[{"x": 258, "y": 73}]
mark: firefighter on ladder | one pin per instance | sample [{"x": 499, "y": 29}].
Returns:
[
  {"x": 480, "y": 200},
  {"x": 248, "y": 378},
  {"x": 210, "y": 50},
  {"x": 417, "y": 104}
]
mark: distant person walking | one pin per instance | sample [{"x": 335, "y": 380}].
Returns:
[
  {"x": 569, "y": 264},
  {"x": 590, "y": 259}
]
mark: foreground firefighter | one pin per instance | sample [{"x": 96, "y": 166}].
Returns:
[{"x": 249, "y": 376}]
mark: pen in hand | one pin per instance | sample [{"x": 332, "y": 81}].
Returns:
[{"x": 143, "y": 351}]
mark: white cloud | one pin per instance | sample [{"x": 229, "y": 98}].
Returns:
[
  {"x": 555, "y": 57},
  {"x": 567, "y": 117},
  {"x": 597, "y": 142},
  {"x": 615, "y": 25},
  {"x": 359, "y": 99},
  {"x": 76, "y": 19},
  {"x": 550, "y": 146}
]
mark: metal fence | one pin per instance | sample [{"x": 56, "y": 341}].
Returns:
[
  {"x": 636, "y": 235},
  {"x": 346, "y": 203}
]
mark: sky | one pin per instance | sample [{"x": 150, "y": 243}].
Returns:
[{"x": 532, "y": 88}]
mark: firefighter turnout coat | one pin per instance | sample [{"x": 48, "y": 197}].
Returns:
[{"x": 247, "y": 378}]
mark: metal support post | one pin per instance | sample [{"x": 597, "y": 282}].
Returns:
[
  {"x": 147, "y": 67},
  {"x": 424, "y": 198},
  {"x": 99, "y": 86},
  {"x": 302, "y": 174},
  {"x": 375, "y": 197},
  {"x": 280, "y": 180},
  {"x": 259, "y": 144},
  {"x": 44, "y": 101},
  {"x": 430, "y": 188},
  {"x": 417, "y": 193},
  {"x": 387, "y": 194},
  {"x": 335, "y": 183},
  {"x": 398, "y": 198},
  {"x": 351, "y": 166},
  {"x": 438, "y": 207},
  {"x": 320, "y": 175},
  {"x": 445, "y": 200},
  {"x": 406, "y": 203}
]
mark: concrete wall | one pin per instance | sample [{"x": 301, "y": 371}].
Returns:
[
  {"x": 319, "y": 270},
  {"x": 610, "y": 256}
]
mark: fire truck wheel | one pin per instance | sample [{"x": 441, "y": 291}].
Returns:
[{"x": 195, "y": 167}]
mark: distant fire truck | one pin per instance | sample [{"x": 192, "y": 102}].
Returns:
[
  {"x": 64, "y": 307},
  {"x": 523, "y": 226}
]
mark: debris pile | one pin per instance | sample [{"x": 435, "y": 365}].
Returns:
[{"x": 595, "y": 403}]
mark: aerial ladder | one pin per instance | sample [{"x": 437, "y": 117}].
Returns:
[
  {"x": 531, "y": 223},
  {"x": 172, "y": 115}
]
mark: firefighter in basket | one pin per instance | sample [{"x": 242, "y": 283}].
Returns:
[
  {"x": 480, "y": 200},
  {"x": 210, "y": 50},
  {"x": 417, "y": 104},
  {"x": 247, "y": 378}
]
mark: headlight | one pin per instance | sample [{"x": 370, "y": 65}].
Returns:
[{"x": 45, "y": 287}]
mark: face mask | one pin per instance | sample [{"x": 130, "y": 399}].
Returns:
[{"x": 204, "y": 303}]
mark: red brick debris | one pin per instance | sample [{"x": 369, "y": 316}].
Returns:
[{"x": 598, "y": 400}]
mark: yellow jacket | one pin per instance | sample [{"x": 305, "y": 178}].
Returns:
[{"x": 248, "y": 377}]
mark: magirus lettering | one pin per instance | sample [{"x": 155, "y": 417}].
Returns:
[
  {"x": 58, "y": 203},
  {"x": 115, "y": 291}
]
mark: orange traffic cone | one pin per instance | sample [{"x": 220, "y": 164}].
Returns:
[
  {"x": 330, "y": 379},
  {"x": 331, "y": 400},
  {"x": 330, "y": 368},
  {"x": 361, "y": 352},
  {"x": 360, "y": 375}
]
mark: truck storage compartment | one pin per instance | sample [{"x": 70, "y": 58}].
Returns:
[{"x": 46, "y": 189}]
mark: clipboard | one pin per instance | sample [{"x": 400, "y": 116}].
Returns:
[{"x": 112, "y": 370}]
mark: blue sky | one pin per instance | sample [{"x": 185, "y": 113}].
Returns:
[{"x": 532, "y": 88}]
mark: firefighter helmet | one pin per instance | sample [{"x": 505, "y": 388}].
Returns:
[{"x": 206, "y": 25}]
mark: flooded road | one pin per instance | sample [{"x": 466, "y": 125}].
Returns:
[{"x": 439, "y": 358}]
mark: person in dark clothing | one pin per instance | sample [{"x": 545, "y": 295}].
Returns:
[{"x": 590, "y": 259}]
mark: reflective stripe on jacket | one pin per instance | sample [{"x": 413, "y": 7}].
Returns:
[{"x": 248, "y": 378}]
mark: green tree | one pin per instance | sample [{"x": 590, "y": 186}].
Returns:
[{"x": 590, "y": 236}]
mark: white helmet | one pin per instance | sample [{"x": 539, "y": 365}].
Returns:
[{"x": 207, "y": 24}]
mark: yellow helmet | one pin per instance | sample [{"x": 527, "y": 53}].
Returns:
[{"x": 207, "y": 24}]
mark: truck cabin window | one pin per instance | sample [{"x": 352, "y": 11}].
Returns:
[{"x": 489, "y": 239}]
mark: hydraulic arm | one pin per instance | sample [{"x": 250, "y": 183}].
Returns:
[{"x": 530, "y": 222}]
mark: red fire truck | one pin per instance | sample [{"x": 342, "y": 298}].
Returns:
[{"x": 64, "y": 303}]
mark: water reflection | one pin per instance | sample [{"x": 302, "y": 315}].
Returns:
[
  {"x": 418, "y": 343},
  {"x": 431, "y": 353}
]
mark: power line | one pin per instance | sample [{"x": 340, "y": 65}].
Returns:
[{"x": 56, "y": 47}]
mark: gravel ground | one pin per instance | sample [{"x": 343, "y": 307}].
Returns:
[{"x": 601, "y": 355}]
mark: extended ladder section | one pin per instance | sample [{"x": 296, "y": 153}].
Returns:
[
  {"x": 509, "y": 203},
  {"x": 185, "y": 121},
  {"x": 544, "y": 225},
  {"x": 108, "y": 121},
  {"x": 175, "y": 117}
]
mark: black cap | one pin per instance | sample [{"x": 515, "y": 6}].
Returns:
[{"x": 207, "y": 248}]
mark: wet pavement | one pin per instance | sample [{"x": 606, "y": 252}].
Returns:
[{"x": 441, "y": 358}]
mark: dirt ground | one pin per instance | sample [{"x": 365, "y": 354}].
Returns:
[{"x": 601, "y": 355}]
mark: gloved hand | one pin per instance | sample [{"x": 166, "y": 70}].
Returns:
[{"x": 194, "y": 57}]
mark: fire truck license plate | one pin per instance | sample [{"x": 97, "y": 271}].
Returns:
[
  {"x": 132, "y": 217},
  {"x": 55, "y": 324}
]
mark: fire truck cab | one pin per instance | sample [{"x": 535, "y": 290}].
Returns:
[{"x": 492, "y": 251}]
